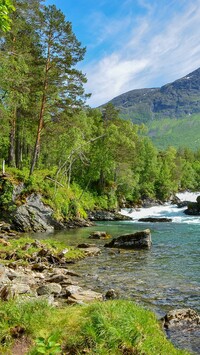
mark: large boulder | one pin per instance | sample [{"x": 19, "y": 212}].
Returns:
[
  {"x": 138, "y": 240},
  {"x": 193, "y": 208},
  {"x": 34, "y": 215}
]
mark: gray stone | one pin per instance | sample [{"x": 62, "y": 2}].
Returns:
[
  {"x": 193, "y": 208},
  {"x": 20, "y": 288},
  {"x": 92, "y": 251},
  {"x": 97, "y": 235},
  {"x": 84, "y": 296},
  {"x": 34, "y": 215},
  {"x": 48, "y": 289},
  {"x": 58, "y": 278},
  {"x": 107, "y": 216},
  {"x": 6, "y": 293},
  {"x": 3, "y": 276},
  {"x": 85, "y": 245},
  {"x": 138, "y": 240},
  {"x": 111, "y": 294},
  {"x": 181, "y": 318},
  {"x": 72, "y": 289}
]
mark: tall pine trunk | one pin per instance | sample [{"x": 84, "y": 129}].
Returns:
[
  {"x": 41, "y": 115},
  {"x": 11, "y": 154}
]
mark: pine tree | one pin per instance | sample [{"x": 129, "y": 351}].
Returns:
[{"x": 62, "y": 82}]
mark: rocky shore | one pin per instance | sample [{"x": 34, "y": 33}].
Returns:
[
  {"x": 35, "y": 269},
  {"x": 38, "y": 271}
]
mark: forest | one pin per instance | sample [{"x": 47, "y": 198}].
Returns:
[{"x": 50, "y": 136}]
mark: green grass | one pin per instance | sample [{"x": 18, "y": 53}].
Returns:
[
  {"x": 22, "y": 250},
  {"x": 106, "y": 328}
]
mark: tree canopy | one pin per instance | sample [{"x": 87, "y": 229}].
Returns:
[{"x": 46, "y": 125}]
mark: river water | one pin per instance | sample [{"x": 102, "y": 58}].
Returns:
[{"x": 163, "y": 278}]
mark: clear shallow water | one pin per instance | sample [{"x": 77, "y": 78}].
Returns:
[{"x": 163, "y": 278}]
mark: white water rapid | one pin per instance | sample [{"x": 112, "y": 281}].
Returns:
[{"x": 167, "y": 210}]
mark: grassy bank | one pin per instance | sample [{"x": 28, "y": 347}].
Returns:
[
  {"x": 24, "y": 250},
  {"x": 113, "y": 327}
]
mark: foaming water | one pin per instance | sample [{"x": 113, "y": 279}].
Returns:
[
  {"x": 167, "y": 210},
  {"x": 188, "y": 196}
]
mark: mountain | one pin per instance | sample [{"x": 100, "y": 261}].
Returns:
[
  {"x": 177, "y": 99},
  {"x": 167, "y": 111}
]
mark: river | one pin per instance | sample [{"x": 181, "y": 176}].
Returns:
[{"x": 163, "y": 278}]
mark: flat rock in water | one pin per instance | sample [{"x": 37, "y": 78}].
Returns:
[
  {"x": 92, "y": 251},
  {"x": 85, "y": 245},
  {"x": 138, "y": 240},
  {"x": 98, "y": 235},
  {"x": 155, "y": 219}
]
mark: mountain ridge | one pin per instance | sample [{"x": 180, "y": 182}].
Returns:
[{"x": 173, "y": 100}]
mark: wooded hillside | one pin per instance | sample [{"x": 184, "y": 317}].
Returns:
[{"x": 47, "y": 130}]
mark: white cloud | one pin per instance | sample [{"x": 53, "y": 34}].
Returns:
[
  {"x": 160, "y": 48},
  {"x": 110, "y": 75}
]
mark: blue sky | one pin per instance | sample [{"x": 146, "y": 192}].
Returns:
[{"x": 134, "y": 44}]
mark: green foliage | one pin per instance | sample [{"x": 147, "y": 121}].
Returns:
[
  {"x": 83, "y": 158},
  {"x": 6, "y": 193},
  {"x": 6, "y": 7},
  {"x": 48, "y": 346}
]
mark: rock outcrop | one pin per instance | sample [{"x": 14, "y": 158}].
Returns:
[
  {"x": 193, "y": 208},
  {"x": 34, "y": 216},
  {"x": 138, "y": 240},
  {"x": 28, "y": 212}
]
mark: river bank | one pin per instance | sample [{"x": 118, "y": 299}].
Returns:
[
  {"x": 95, "y": 278},
  {"x": 39, "y": 284}
]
